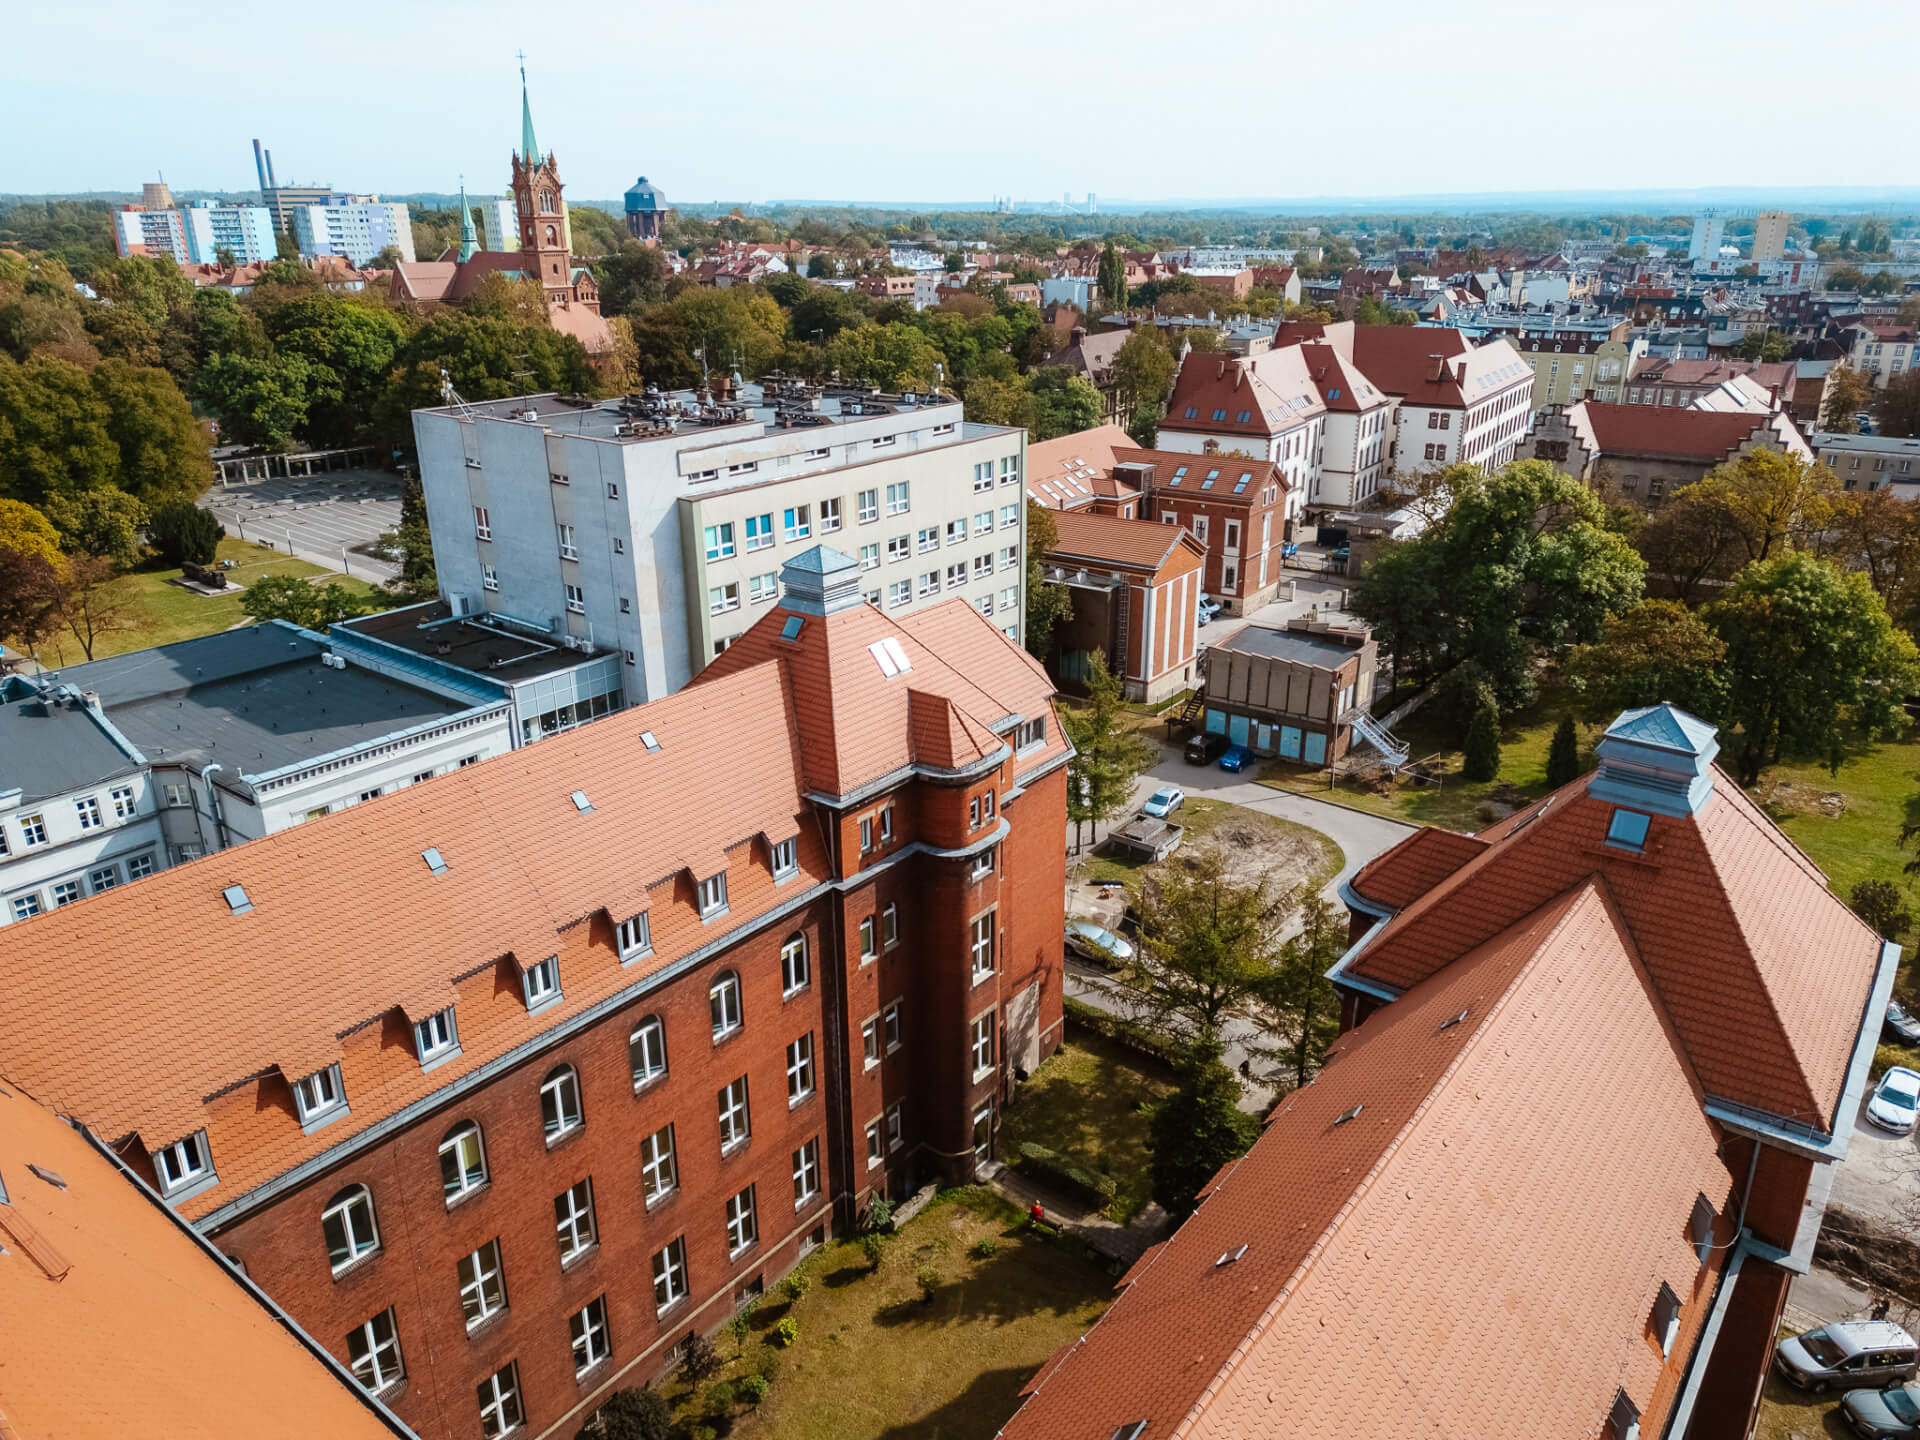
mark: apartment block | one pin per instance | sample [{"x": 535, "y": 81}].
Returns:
[
  {"x": 504, "y": 1087},
  {"x": 658, "y": 525},
  {"x": 355, "y": 227},
  {"x": 243, "y": 231}
]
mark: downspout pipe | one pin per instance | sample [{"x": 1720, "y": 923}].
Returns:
[{"x": 213, "y": 803}]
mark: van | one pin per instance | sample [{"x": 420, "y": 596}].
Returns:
[
  {"x": 1849, "y": 1355},
  {"x": 1205, "y": 747}
]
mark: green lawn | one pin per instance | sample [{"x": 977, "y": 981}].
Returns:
[
  {"x": 1085, "y": 1101},
  {"x": 873, "y": 1361},
  {"x": 165, "y": 612},
  {"x": 1881, "y": 786}
]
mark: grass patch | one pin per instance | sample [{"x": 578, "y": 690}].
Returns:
[
  {"x": 1790, "y": 1414},
  {"x": 873, "y": 1359},
  {"x": 1881, "y": 787},
  {"x": 168, "y": 612},
  {"x": 1085, "y": 1101}
]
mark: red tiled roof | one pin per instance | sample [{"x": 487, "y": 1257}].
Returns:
[
  {"x": 1070, "y": 462},
  {"x": 1342, "y": 385},
  {"x": 115, "y": 1322},
  {"x": 1254, "y": 395},
  {"x": 1166, "y": 463},
  {"x": 1665, "y": 370},
  {"x": 1710, "y": 435},
  {"x": 1426, "y": 1255},
  {"x": 1109, "y": 540},
  {"x": 1397, "y": 877},
  {"x": 1400, "y": 359}
]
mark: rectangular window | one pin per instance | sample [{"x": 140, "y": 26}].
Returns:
[
  {"x": 576, "y": 600},
  {"x": 374, "y": 1353},
  {"x": 956, "y": 575},
  {"x": 106, "y": 877},
  {"x": 1200, "y": 528},
  {"x": 899, "y": 498},
  {"x": 1032, "y": 732},
  {"x": 806, "y": 1173},
  {"x": 867, "y": 947},
  {"x": 866, "y": 506},
  {"x": 588, "y": 1329},
  {"x": 88, "y": 809},
  {"x": 890, "y": 926},
  {"x": 483, "y": 1294},
  {"x": 33, "y": 828},
  {"x": 1010, "y": 598},
  {"x": 800, "y": 1070},
  {"x": 899, "y": 593},
  {"x": 929, "y": 584},
  {"x": 1010, "y": 557},
  {"x": 876, "y": 1144},
  {"x": 870, "y": 1042},
  {"x": 543, "y": 983},
  {"x": 956, "y": 531},
  {"x": 929, "y": 539},
  {"x": 1009, "y": 516},
  {"x": 983, "y": 1046},
  {"x": 670, "y": 1274},
  {"x": 786, "y": 857},
  {"x": 886, "y": 823},
  {"x": 829, "y": 516},
  {"x": 900, "y": 547},
  {"x": 500, "y": 1409},
  {"x": 763, "y": 587},
  {"x": 560, "y": 1113},
  {"x": 634, "y": 936},
  {"x": 124, "y": 805},
  {"x": 713, "y": 895},
  {"x": 482, "y": 527},
  {"x": 983, "y": 476},
  {"x": 573, "y": 1220},
  {"x": 982, "y": 566},
  {"x": 890, "y": 1027},
  {"x": 743, "y": 1223},
  {"x": 1628, "y": 829},
  {"x": 659, "y": 1174},
  {"x": 736, "y": 1122},
  {"x": 719, "y": 542},
  {"x": 65, "y": 892},
  {"x": 1009, "y": 469},
  {"x": 869, "y": 557},
  {"x": 319, "y": 1094},
  {"x": 983, "y": 863},
  {"x": 759, "y": 531},
  {"x": 866, "y": 834},
  {"x": 435, "y": 1038},
  {"x": 722, "y": 598},
  {"x": 983, "y": 522},
  {"x": 489, "y": 578},
  {"x": 568, "y": 550},
  {"x": 896, "y": 1132},
  {"x": 182, "y": 1162}
]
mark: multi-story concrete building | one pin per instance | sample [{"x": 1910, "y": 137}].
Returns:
[
  {"x": 138, "y": 230},
  {"x": 1871, "y": 462},
  {"x": 1659, "y": 380},
  {"x": 1770, "y": 236},
  {"x": 1709, "y": 233},
  {"x": 243, "y": 231},
  {"x": 1882, "y": 349},
  {"x": 357, "y": 227},
  {"x": 657, "y": 525},
  {"x": 1359, "y": 430},
  {"x": 504, "y": 1087}
]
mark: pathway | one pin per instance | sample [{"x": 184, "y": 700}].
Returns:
[{"x": 1123, "y": 1244}]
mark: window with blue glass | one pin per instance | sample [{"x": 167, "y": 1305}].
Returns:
[{"x": 1628, "y": 830}]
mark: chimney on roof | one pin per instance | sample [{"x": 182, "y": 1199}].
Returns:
[
  {"x": 820, "y": 581},
  {"x": 1079, "y": 335},
  {"x": 1439, "y": 368}
]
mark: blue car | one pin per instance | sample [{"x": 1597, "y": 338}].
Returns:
[{"x": 1235, "y": 759}]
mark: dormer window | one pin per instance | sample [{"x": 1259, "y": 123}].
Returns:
[
  {"x": 713, "y": 896},
  {"x": 1627, "y": 830},
  {"x": 1623, "y": 1422},
  {"x": 435, "y": 1040},
  {"x": 319, "y": 1097},
  {"x": 1664, "y": 1323},
  {"x": 1031, "y": 732},
  {"x": 183, "y": 1163},
  {"x": 786, "y": 858},
  {"x": 1700, "y": 1228},
  {"x": 542, "y": 983},
  {"x": 634, "y": 936}
]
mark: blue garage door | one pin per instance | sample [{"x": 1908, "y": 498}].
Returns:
[
  {"x": 1240, "y": 731},
  {"x": 1290, "y": 742},
  {"x": 1216, "y": 722},
  {"x": 1316, "y": 752}
]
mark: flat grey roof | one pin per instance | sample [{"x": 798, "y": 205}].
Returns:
[
  {"x": 1293, "y": 645},
  {"x": 48, "y": 749},
  {"x": 495, "y": 653},
  {"x": 254, "y": 700}
]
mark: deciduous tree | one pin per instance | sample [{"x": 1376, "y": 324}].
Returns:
[
  {"x": 1209, "y": 947},
  {"x": 1048, "y": 604},
  {"x": 27, "y": 530},
  {"x": 1143, "y": 374},
  {"x": 1302, "y": 1003},
  {"x": 1197, "y": 1129},
  {"x": 1848, "y": 393},
  {"x": 94, "y": 603},
  {"x": 1775, "y": 500},
  {"x": 288, "y": 597},
  {"x": 1658, "y": 651},
  {"x": 105, "y": 522},
  {"x": 1108, "y": 757},
  {"x": 1063, "y": 403},
  {"x": 30, "y": 593}
]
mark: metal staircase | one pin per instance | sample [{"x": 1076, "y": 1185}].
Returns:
[
  {"x": 1394, "y": 752},
  {"x": 1190, "y": 712}
]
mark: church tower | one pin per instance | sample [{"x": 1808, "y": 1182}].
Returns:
[{"x": 545, "y": 245}]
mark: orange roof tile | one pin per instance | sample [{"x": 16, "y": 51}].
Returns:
[
  {"x": 115, "y": 1321},
  {"x": 1110, "y": 540},
  {"x": 1061, "y": 472},
  {"x": 1398, "y": 876},
  {"x": 1438, "y": 1260}
]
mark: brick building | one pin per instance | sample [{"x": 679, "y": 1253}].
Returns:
[
  {"x": 1649, "y": 452},
  {"x": 506, "y": 1083},
  {"x": 1136, "y": 592}
]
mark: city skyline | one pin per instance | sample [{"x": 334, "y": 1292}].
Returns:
[{"x": 695, "y": 107}]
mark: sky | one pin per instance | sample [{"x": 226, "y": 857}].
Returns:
[{"x": 753, "y": 101}]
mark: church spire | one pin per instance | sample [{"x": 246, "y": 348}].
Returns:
[
  {"x": 469, "y": 241},
  {"x": 529, "y": 147}
]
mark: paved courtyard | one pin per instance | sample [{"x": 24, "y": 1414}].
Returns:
[{"x": 320, "y": 518}]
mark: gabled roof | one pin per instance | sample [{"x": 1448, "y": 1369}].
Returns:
[
  {"x": 1109, "y": 540},
  {"x": 1683, "y": 433},
  {"x": 1255, "y": 395},
  {"x": 1424, "y": 367},
  {"x": 1192, "y": 470},
  {"x": 1342, "y": 385},
  {"x": 1060, "y": 472},
  {"x": 1425, "y": 1253}
]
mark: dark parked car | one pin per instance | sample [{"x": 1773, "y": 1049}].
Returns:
[
  {"x": 1202, "y": 748},
  {"x": 1906, "y": 1026}
]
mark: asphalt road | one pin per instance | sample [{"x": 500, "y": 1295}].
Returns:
[{"x": 319, "y": 518}]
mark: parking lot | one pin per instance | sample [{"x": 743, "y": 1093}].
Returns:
[
  {"x": 326, "y": 519},
  {"x": 1880, "y": 1178}
]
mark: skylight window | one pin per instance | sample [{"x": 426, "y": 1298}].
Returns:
[
  {"x": 647, "y": 739},
  {"x": 1453, "y": 1020},
  {"x": 581, "y": 803},
  {"x": 1628, "y": 830},
  {"x": 237, "y": 901},
  {"x": 436, "y": 862},
  {"x": 1133, "y": 1430},
  {"x": 1349, "y": 1114},
  {"x": 890, "y": 656},
  {"x": 790, "y": 627},
  {"x": 1227, "y": 1257}
]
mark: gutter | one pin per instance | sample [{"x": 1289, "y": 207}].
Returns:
[{"x": 1338, "y": 971}]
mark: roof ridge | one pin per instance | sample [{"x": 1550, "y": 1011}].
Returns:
[{"x": 1567, "y": 903}]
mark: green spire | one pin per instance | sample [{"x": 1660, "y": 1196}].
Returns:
[
  {"x": 529, "y": 147},
  {"x": 469, "y": 241}
]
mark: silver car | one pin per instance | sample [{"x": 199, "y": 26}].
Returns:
[{"x": 1850, "y": 1355}]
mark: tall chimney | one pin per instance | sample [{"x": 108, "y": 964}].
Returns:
[
  {"x": 271, "y": 182},
  {"x": 260, "y": 168}
]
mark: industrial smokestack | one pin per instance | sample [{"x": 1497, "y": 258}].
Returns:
[
  {"x": 260, "y": 167},
  {"x": 271, "y": 183}
]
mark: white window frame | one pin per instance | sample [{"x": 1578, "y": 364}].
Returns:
[
  {"x": 870, "y": 1042},
  {"x": 342, "y": 1210},
  {"x": 876, "y": 1144},
  {"x": 669, "y": 1275},
  {"x": 980, "y": 1037},
  {"x": 541, "y": 984},
  {"x": 828, "y": 521},
  {"x": 724, "y": 1007},
  {"x": 796, "y": 523},
  {"x": 33, "y": 828},
  {"x": 800, "y": 1072},
  {"x": 899, "y": 498},
  {"x": 436, "y": 1038},
  {"x": 784, "y": 857},
  {"x": 759, "y": 532},
  {"x": 743, "y": 1223},
  {"x": 890, "y": 1035},
  {"x": 889, "y": 927},
  {"x": 806, "y": 1172},
  {"x": 366, "y": 1346},
  {"x": 574, "y": 1226},
  {"x": 736, "y": 1114},
  {"x": 633, "y": 936},
  {"x": 866, "y": 506},
  {"x": 796, "y": 970},
  {"x": 869, "y": 940},
  {"x": 500, "y": 1407},
  {"x": 711, "y": 897},
  {"x": 723, "y": 598},
  {"x": 980, "y": 946},
  {"x": 482, "y": 526},
  {"x": 87, "y": 808},
  {"x": 649, "y": 1039},
  {"x": 320, "y": 1097},
  {"x": 466, "y": 1180},
  {"x": 183, "y": 1164},
  {"x": 576, "y": 600},
  {"x": 659, "y": 1166},
  {"x": 719, "y": 540},
  {"x": 587, "y": 1328},
  {"x": 125, "y": 804},
  {"x": 561, "y": 1111},
  {"x": 896, "y": 1128},
  {"x": 568, "y": 549},
  {"x": 483, "y": 1291}
]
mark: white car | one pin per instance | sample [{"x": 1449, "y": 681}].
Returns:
[
  {"x": 1164, "y": 802},
  {"x": 1895, "y": 1102},
  {"x": 1087, "y": 939}
]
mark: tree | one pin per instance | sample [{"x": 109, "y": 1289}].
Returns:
[
  {"x": 1659, "y": 651},
  {"x": 1876, "y": 532},
  {"x": 1048, "y": 604},
  {"x": 1848, "y": 393},
  {"x": 821, "y": 267},
  {"x": 54, "y": 436},
  {"x": 1108, "y": 757},
  {"x": 1063, "y": 403},
  {"x": 895, "y": 357},
  {"x": 703, "y": 331},
  {"x": 1775, "y": 500},
  {"x": 1143, "y": 373},
  {"x": 1563, "y": 754},
  {"x": 94, "y": 604},
  {"x": 1900, "y": 405},
  {"x": 1768, "y": 346},
  {"x": 414, "y": 542},
  {"x": 182, "y": 531},
  {"x": 1111, "y": 278},
  {"x": 632, "y": 1414},
  {"x": 488, "y": 357},
  {"x": 105, "y": 522},
  {"x": 1480, "y": 758},
  {"x": 162, "y": 450},
  {"x": 999, "y": 402},
  {"x": 823, "y": 313},
  {"x": 259, "y": 401},
  {"x": 631, "y": 278},
  {"x": 288, "y": 597},
  {"x": 27, "y": 531},
  {"x": 30, "y": 594},
  {"x": 1208, "y": 947},
  {"x": 1810, "y": 648},
  {"x": 1302, "y": 1000},
  {"x": 349, "y": 348},
  {"x": 1196, "y": 1129},
  {"x": 700, "y": 1361},
  {"x": 1878, "y": 902}
]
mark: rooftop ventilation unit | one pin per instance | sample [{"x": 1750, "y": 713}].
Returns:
[
  {"x": 891, "y": 658},
  {"x": 1227, "y": 1257},
  {"x": 1351, "y": 1114}
]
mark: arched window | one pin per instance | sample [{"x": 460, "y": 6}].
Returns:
[
  {"x": 463, "y": 1161},
  {"x": 647, "y": 1049},
  {"x": 560, "y": 1103},
  {"x": 793, "y": 965},
  {"x": 723, "y": 1001},
  {"x": 349, "y": 1226},
  {"x": 546, "y": 203},
  {"x": 553, "y": 236}
]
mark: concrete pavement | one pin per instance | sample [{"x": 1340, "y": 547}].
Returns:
[{"x": 317, "y": 518}]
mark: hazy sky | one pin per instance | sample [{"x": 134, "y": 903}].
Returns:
[{"x": 756, "y": 101}]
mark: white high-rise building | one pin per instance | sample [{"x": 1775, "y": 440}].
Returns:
[
  {"x": 356, "y": 227},
  {"x": 1709, "y": 232},
  {"x": 243, "y": 231},
  {"x": 1769, "y": 235}
]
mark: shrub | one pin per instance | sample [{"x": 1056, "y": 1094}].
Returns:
[
  {"x": 1563, "y": 755},
  {"x": 1878, "y": 903},
  {"x": 182, "y": 531},
  {"x": 701, "y": 1431},
  {"x": 787, "y": 1331},
  {"x": 1459, "y": 695},
  {"x": 873, "y": 1246},
  {"x": 634, "y": 1415},
  {"x": 753, "y": 1388},
  {"x": 796, "y": 1285},
  {"x": 767, "y": 1366},
  {"x": 984, "y": 1249},
  {"x": 1063, "y": 1172},
  {"x": 929, "y": 1282},
  {"x": 1123, "y": 1032},
  {"x": 702, "y": 1360},
  {"x": 719, "y": 1402},
  {"x": 1481, "y": 751},
  {"x": 880, "y": 1214}
]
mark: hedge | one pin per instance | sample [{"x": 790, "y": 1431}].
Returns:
[
  {"x": 1124, "y": 1032},
  {"x": 1065, "y": 1173}
]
